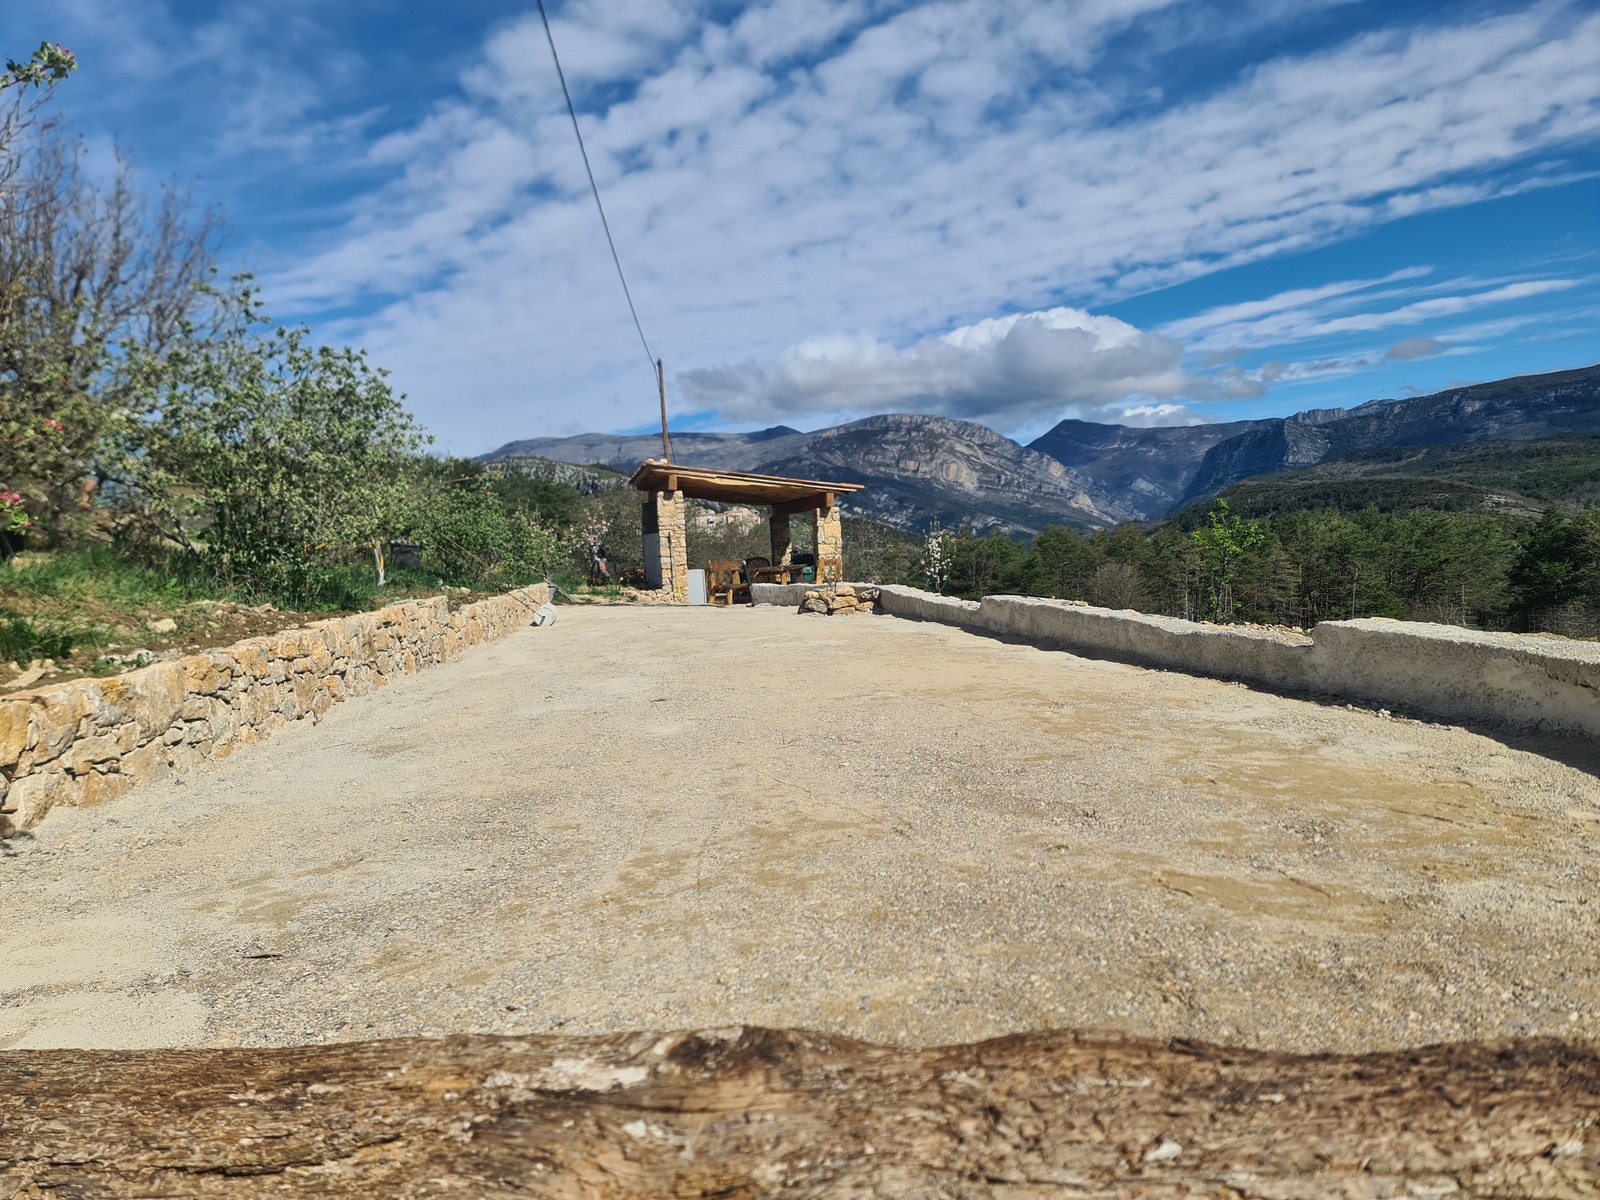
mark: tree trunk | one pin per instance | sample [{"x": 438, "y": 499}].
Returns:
[{"x": 762, "y": 1113}]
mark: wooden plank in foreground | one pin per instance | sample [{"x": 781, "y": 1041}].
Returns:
[{"x": 752, "y": 1112}]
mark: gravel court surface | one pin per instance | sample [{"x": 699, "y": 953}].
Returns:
[{"x": 666, "y": 818}]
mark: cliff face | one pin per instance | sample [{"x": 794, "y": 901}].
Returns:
[
  {"x": 1273, "y": 446},
  {"x": 1147, "y": 470},
  {"x": 919, "y": 469}
]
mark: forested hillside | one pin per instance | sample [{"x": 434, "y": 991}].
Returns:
[{"x": 1515, "y": 479}]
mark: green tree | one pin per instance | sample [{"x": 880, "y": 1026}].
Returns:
[
  {"x": 1223, "y": 545},
  {"x": 1550, "y": 566},
  {"x": 49, "y": 63},
  {"x": 1588, "y": 545},
  {"x": 1320, "y": 556},
  {"x": 1059, "y": 564},
  {"x": 469, "y": 535},
  {"x": 267, "y": 456},
  {"x": 558, "y": 504},
  {"x": 555, "y": 503},
  {"x": 1168, "y": 574},
  {"x": 982, "y": 566},
  {"x": 879, "y": 553},
  {"x": 84, "y": 267}
]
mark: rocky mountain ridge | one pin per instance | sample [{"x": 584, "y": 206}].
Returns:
[{"x": 919, "y": 469}]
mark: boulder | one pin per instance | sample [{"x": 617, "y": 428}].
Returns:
[
  {"x": 15, "y": 716},
  {"x": 30, "y": 797}
]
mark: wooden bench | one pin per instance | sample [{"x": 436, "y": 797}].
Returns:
[{"x": 724, "y": 579}]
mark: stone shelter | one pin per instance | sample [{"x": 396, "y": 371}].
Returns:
[{"x": 667, "y": 486}]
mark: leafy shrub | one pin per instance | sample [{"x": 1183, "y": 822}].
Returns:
[
  {"x": 269, "y": 458},
  {"x": 469, "y": 536}
]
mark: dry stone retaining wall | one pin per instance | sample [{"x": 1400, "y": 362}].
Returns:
[{"x": 89, "y": 740}]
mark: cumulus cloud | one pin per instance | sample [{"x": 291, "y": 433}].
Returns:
[
  {"x": 1008, "y": 371},
  {"x": 919, "y": 166},
  {"x": 1407, "y": 349},
  {"x": 780, "y": 168}
]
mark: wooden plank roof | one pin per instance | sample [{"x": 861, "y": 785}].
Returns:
[{"x": 737, "y": 487}]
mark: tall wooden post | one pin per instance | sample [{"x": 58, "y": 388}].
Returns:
[{"x": 661, "y": 387}]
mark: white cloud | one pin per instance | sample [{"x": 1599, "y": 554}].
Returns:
[
  {"x": 936, "y": 164},
  {"x": 1407, "y": 349},
  {"x": 1297, "y": 299},
  {"x": 1309, "y": 314},
  {"x": 1156, "y": 414},
  {"x": 1007, "y": 371}
]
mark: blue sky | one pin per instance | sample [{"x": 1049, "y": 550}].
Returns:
[{"x": 1004, "y": 210}]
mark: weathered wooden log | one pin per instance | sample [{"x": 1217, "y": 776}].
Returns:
[{"x": 756, "y": 1112}]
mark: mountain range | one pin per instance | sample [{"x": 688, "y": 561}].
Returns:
[{"x": 919, "y": 469}]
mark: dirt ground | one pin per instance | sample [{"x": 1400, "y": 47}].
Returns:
[{"x": 648, "y": 817}]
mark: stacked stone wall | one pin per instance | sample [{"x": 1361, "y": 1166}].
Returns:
[
  {"x": 666, "y": 521},
  {"x": 87, "y": 741}
]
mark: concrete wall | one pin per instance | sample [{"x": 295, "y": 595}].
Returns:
[
  {"x": 89, "y": 740},
  {"x": 1270, "y": 656},
  {"x": 784, "y": 595},
  {"x": 1519, "y": 680},
  {"x": 1531, "y": 681}
]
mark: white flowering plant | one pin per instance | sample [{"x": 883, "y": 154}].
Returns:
[{"x": 936, "y": 547}]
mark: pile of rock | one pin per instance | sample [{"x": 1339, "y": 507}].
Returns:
[{"x": 840, "y": 598}]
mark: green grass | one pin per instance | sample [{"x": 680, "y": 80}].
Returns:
[
  {"x": 100, "y": 577},
  {"x": 53, "y": 603},
  {"x": 22, "y": 640}
]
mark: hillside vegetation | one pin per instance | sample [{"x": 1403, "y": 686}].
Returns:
[
  {"x": 1307, "y": 566},
  {"x": 170, "y": 458},
  {"x": 1517, "y": 479}
]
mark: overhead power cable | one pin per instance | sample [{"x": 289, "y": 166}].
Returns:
[{"x": 593, "y": 187}]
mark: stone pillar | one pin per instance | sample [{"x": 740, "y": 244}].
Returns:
[
  {"x": 830, "y": 545},
  {"x": 782, "y": 540},
  {"x": 666, "y": 544}
]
